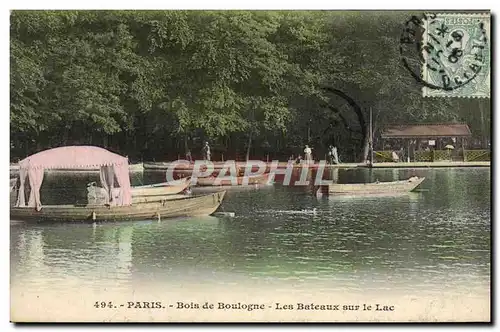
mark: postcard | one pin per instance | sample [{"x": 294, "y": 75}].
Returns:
[{"x": 250, "y": 166}]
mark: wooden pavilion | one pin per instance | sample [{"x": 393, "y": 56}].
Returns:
[{"x": 424, "y": 142}]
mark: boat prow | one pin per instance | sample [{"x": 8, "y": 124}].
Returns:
[
  {"x": 373, "y": 188},
  {"x": 164, "y": 188}
]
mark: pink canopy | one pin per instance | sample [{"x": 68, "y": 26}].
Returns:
[
  {"x": 73, "y": 157},
  {"x": 111, "y": 164}
]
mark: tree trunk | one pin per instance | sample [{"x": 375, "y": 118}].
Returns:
[
  {"x": 105, "y": 140},
  {"x": 366, "y": 147},
  {"x": 249, "y": 145},
  {"x": 309, "y": 132},
  {"x": 64, "y": 141},
  {"x": 89, "y": 138}
]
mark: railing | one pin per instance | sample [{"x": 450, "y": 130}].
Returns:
[
  {"x": 438, "y": 155},
  {"x": 424, "y": 156},
  {"x": 477, "y": 155}
]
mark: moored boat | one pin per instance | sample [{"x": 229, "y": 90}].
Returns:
[
  {"x": 394, "y": 187},
  {"x": 179, "y": 165},
  {"x": 164, "y": 188},
  {"x": 233, "y": 180},
  {"x": 146, "y": 193},
  {"x": 161, "y": 166},
  {"x": 186, "y": 206},
  {"x": 118, "y": 201}
]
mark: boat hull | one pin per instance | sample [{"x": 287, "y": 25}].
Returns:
[
  {"x": 238, "y": 181},
  {"x": 395, "y": 187},
  {"x": 161, "y": 189},
  {"x": 180, "y": 166},
  {"x": 187, "y": 206}
]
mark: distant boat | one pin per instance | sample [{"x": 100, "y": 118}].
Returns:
[
  {"x": 178, "y": 166},
  {"x": 394, "y": 187},
  {"x": 139, "y": 167},
  {"x": 252, "y": 180},
  {"x": 164, "y": 188}
]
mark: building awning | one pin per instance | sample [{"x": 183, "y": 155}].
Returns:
[{"x": 426, "y": 131}]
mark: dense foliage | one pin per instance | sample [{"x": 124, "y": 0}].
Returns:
[{"x": 152, "y": 84}]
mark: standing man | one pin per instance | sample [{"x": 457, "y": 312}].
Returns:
[
  {"x": 206, "y": 152},
  {"x": 333, "y": 155},
  {"x": 189, "y": 157},
  {"x": 308, "y": 154},
  {"x": 330, "y": 154}
]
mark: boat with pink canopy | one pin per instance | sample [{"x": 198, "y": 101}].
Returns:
[{"x": 118, "y": 202}]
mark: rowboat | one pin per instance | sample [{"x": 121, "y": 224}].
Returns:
[
  {"x": 118, "y": 201},
  {"x": 140, "y": 194},
  {"x": 163, "y": 166},
  {"x": 233, "y": 180},
  {"x": 164, "y": 188},
  {"x": 394, "y": 187},
  {"x": 187, "y": 206}
]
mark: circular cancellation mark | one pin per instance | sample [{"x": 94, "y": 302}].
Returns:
[{"x": 444, "y": 51}]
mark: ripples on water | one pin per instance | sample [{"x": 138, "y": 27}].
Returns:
[{"x": 432, "y": 240}]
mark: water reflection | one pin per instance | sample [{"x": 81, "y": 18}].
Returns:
[{"x": 431, "y": 240}]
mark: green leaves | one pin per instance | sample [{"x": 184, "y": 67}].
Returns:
[{"x": 152, "y": 77}]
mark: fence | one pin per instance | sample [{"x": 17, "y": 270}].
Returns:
[
  {"x": 438, "y": 155},
  {"x": 477, "y": 155},
  {"x": 424, "y": 156}
]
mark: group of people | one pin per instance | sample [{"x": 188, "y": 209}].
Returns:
[
  {"x": 205, "y": 151},
  {"x": 333, "y": 156}
]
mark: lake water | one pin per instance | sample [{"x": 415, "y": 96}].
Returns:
[{"x": 432, "y": 241}]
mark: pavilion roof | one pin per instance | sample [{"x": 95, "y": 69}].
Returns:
[{"x": 427, "y": 130}]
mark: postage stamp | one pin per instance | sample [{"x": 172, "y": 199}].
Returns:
[{"x": 456, "y": 53}]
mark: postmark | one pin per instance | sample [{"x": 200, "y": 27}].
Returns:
[
  {"x": 456, "y": 54},
  {"x": 448, "y": 54}
]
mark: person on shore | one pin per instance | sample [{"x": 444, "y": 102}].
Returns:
[
  {"x": 333, "y": 155},
  {"x": 189, "y": 157},
  {"x": 308, "y": 154},
  {"x": 298, "y": 160},
  {"x": 395, "y": 157},
  {"x": 206, "y": 152}
]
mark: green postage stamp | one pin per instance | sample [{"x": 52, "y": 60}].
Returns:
[{"x": 456, "y": 54}]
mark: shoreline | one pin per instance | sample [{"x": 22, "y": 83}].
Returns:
[{"x": 163, "y": 166}]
